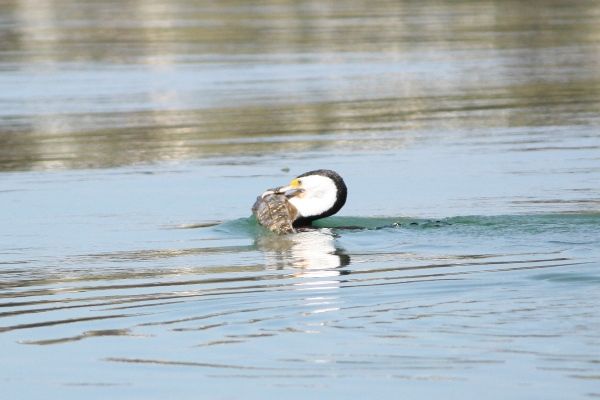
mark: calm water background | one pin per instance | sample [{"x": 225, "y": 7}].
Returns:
[{"x": 134, "y": 137}]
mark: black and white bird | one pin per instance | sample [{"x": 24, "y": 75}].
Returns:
[{"x": 310, "y": 196}]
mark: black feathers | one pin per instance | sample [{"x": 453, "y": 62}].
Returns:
[{"x": 342, "y": 194}]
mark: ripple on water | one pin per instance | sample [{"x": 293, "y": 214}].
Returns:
[
  {"x": 133, "y": 134},
  {"x": 420, "y": 310}
]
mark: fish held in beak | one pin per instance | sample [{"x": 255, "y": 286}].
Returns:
[
  {"x": 275, "y": 212},
  {"x": 292, "y": 190}
]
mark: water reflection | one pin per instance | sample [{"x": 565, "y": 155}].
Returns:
[
  {"x": 457, "y": 106},
  {"x": 96, "y": 84},
  {"x": 312, "y": 253},
  {"x": 316, "y": 263}
]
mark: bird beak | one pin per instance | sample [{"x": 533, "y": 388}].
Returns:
[{"x": 289, "y": 191}]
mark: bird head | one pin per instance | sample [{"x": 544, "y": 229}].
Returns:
[{"x": 315, "y": 194}]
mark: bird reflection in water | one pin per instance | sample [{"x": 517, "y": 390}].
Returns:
[
  {"x": 313, "y": 259},
  {"x": 312, "y": 253}
]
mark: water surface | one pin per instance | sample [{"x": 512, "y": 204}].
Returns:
[{"x": 134, "y": 138}]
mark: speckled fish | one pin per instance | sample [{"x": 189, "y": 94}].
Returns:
[
  {"x": 310, "y": 196},
  {"x": 274, "y": 212}
]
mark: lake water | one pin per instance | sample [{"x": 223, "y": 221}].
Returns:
[{"x": 135, "y": 136}]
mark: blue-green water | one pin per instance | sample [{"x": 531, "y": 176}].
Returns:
[{"x": 134, "y": 138}]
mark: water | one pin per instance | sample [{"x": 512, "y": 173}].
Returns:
[{"x": 135, "y": 136}]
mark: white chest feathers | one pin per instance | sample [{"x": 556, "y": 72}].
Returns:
[{"x": 319, "y": 194}]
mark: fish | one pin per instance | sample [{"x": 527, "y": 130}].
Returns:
[{"x": 273, "y": 211}]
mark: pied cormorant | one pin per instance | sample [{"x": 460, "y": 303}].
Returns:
[{"x": 310, "y": 196}]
